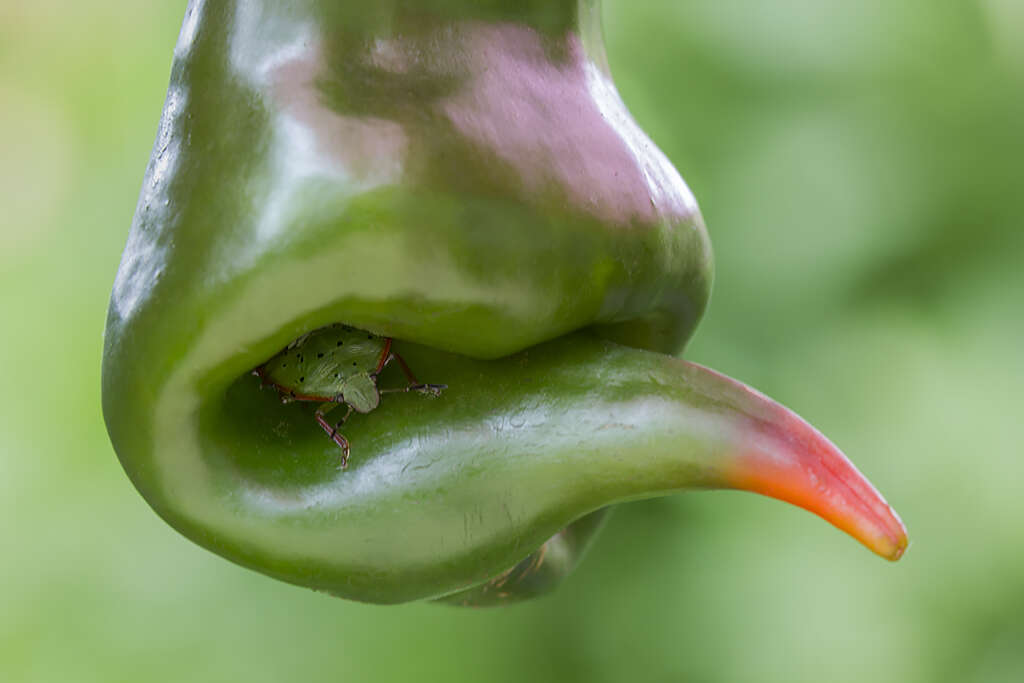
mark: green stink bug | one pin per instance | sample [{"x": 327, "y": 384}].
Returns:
[{"x": 333, "y": 365}]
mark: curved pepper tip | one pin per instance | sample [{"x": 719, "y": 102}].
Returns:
[
  {"x": 784, "y": 457},
  {"x": 800, "y": 466},
  {"x": 825, "y": 483}
]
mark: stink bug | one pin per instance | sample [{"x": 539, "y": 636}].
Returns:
[{"x": 333, "y": 365}]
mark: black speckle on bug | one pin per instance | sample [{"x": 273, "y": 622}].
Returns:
[
  {"x": 319, "y": 355},
  {"x": 284, "y": 365},
  {"x": 369, "y": 336},
  {"x": 340, "y": 343},
  {"x": 353, "y": 363}
]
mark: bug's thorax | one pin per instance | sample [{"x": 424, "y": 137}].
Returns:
[{"x": 329, "y": 363}]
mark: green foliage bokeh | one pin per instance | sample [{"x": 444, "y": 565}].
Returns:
[{"x": 858, "y": 165}]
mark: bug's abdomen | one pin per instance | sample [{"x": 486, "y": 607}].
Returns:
[{"x": 320, "y": 364}]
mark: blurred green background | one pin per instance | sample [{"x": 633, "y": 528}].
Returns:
[{"x": 860, "y": 169}]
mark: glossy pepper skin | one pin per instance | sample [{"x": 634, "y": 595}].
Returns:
[{"x": 462, "y": 176}]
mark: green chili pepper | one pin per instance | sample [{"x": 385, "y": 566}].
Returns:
[{"x": 462, "y": 177}]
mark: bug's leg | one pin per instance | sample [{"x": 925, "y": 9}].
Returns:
[
  {"x": 405, "y": 369},
  {"x": 332, "y": 431},
  {"x": 433, "y": 389},
  {"x": 414, "y": 384}
]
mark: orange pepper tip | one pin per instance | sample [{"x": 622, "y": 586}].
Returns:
[{"x": 778, "y": 454}]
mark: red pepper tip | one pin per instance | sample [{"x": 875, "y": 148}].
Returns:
[{"x": 778, "y": 454}]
